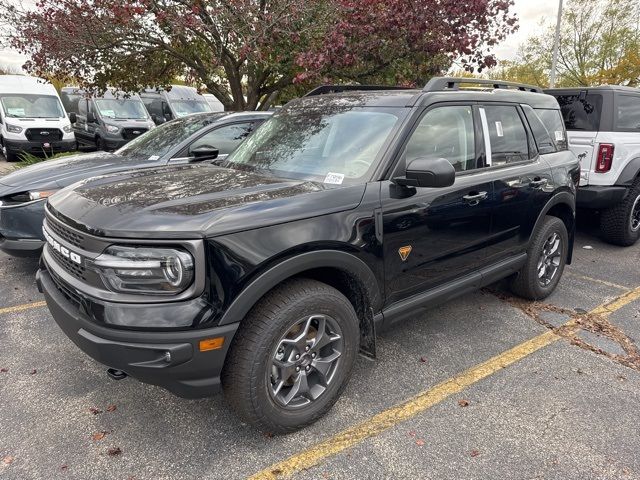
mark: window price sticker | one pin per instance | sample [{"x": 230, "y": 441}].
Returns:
[
  {"x": 334, "y": 178},
  {"x": 499, "y": 129},
  {"x": 559, "y": 135}
]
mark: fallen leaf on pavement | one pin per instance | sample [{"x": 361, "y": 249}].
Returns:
[
  {"x": 114, "y": 451},
  {"x": 419, "y": 442},
  {"x": 64, "y": 467},
  {"x": 95, "y": 410},
  {"x": 111, "y": 408},
  {"x": 475, "y": 453},
  {"x": 423, "y": 359},
  {"x": 33, "y": 372},
  {"x": 99, "y": 436},
  {"x": 4, "y": 370},
  {"x": 8, "y": 460},
  {"x": 463, "y": 403}
]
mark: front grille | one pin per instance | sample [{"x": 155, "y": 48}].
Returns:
[
  {"x": 73, "y": 268},
  {"x": 131, "y": 133},
  {"x": 69, "y": 235},
  {"x": 43, "y": 134},
  {"x": 67, "y": 292}
]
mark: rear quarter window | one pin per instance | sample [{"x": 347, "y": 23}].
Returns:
[
  {"x": 554, "y": 123},
  {"x": 628, "y": 113},
  {"x": 581, "y": 112}
]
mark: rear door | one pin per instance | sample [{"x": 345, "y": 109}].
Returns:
[
  {"x": 582, "y": 113},
  {"x": 522, "y": 179},
  {"x": 435, "y": 235}
]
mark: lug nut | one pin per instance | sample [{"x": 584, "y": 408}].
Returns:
[
  {"x": 306, "y": 348},
  {"x": 307, "y": 368},
  {"x": 297, "y": 356},
  {"x": 297, "y": 369},
  {"x": 313, "y": 355}
]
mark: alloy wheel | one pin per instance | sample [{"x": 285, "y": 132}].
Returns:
[
  {"x": 635, "y": 215},
  {"x": 305, "y": 360},
  {"x": 550, "y": 259}
]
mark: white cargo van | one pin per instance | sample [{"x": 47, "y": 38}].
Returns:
[
  {"x": 215, "y": 104},
  {"x": 179, "y": 101},
  {"x": 32, "y": 118}
]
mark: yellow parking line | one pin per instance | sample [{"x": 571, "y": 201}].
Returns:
[
  {"x": 20, "y": 308},
  {"x": 597, "y": 280},
  {"x": 423, "y": 401}
]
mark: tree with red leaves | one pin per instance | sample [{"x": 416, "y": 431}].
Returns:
[{"x": 247, "y": 51}]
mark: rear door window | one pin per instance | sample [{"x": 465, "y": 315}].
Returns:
[
  {"x": 542, "y": 136},
  {"x": 581, "y": 112},
  {"x": 507, "y": 134},
  {"x": 225, "y": 139},
  {"x": 628, "y": 115}
]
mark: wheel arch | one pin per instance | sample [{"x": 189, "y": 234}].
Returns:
[
  {"x": 343, "y": 271},
  {"x": 563, "y": 206},
  {"x": 629, "y": 173}
]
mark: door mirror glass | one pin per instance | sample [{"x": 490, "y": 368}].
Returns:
[
  {"x": 428, "y": 173},
  {"x": 72, "y": 117},
  {"x": 203, "y": 152}
]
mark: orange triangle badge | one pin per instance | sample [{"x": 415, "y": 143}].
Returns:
[{"x": 404, "y": 252}]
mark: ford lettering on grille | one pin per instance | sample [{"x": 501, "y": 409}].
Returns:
[{"x": 64, "y": 251}]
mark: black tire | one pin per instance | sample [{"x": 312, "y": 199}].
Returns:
[
  {"x": 247, "y": 377},
  {"x": 620, "y": 224},
  {"x": 528, "y": 283},
  {"x": 9, "y": 156},
  {"x": 100, "y": 145}
]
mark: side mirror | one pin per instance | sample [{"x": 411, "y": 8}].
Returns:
[
  {"x": 428, "y": 172},
  {"x": 203, "y": 152},
  {"x": 157, "y": 119},
  {"x": 72, "y": 117},
  {"x": 168, "y": 117},
  {"x": 91, "y": 117}
]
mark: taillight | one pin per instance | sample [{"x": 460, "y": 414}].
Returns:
[{"x": 605, "y": 157}]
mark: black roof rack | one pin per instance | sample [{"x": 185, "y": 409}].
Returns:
[
  {"x": 438, "y": 84},
  {"x": 326, "y": 89}
]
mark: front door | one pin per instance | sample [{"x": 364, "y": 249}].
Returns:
[{"x": 434, "y": 235}]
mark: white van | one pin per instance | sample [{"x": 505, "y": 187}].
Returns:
[
  {"x": 177, "y": 102},
  {"x": 32, "y": 118},
  {"x": 215, "y": 104}
]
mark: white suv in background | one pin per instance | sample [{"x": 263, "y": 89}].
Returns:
[{"x": 603, "y": 125}]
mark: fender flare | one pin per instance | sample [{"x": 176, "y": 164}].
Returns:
[
  {"x": 258, "y": 287},
  {"x": 629, "y": 172},
  {"x": 568, "y": 199}
]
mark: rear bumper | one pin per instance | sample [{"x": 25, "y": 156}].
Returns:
[
  {"x": 38, "y": 147},
  {"x": 171, "y": 360},
  {"x": 600, "y": 196}
]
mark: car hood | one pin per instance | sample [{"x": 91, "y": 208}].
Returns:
[
  {"x": 54, "y": 174},
  {"x": 193, "y": 201}
]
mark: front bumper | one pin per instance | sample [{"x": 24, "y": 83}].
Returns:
[
  {"x": 38, "y": 147},
  {"x": 114, "y": 144},
  {"x": 186, "y": 372},
  {"x": 600, "y": 196},
  {"x": 21, "y": 229}
]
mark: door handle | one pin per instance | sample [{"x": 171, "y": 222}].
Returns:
[
  {"x": 475, "y": 198},
  {"x": 541, "y": 182}
]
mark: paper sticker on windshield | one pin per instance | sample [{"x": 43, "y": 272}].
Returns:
[
  {"x": 334, "y": 178},
  {"x": 499, "y": 129},
  {"x": 154, "y": 157},
  {"x": 559, "y": 135},
  {"x": 108, "y": 113},
  {"x": 15, "y": 112}
]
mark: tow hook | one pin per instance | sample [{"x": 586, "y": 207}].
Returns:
[{"x": 116, "y": 374}]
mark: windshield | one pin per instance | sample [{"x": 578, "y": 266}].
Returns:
[
  {"x": 18, "y": 105},
  {"x": 334, "y": 144},
  {"x": 156, "y": 143},
  {"x": 187, "y": 107},
  {"x": 123, "y": 108}
]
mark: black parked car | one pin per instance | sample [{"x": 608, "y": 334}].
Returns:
[
  {"x": 197, "y": 138},
  {"x": 265, "y": 273}
]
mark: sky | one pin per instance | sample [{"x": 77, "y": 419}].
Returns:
[{"x": 530, "y": 13}]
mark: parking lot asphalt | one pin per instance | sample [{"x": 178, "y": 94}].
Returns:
[{"x": 486, "y": 386}]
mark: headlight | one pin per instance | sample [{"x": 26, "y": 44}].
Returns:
[
  {"x": 113, "y": 129},
  {"x": 13, "y": 128},
  {"x": 67, "y": 129},
  {"x": 145, "y": 270},
  {"x": 41, "y": 194}
]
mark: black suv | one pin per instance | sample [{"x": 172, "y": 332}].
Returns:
[{"x": 265, "y": 273}]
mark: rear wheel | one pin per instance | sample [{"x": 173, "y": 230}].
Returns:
[
  {"x": 546, "y": 258},
  {"x": 292, "y": 356},
  {"x": 620, "y": 224}
]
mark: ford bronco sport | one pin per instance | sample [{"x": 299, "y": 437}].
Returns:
[
  {"x": 346, "y": 212},
  {"x": 604, "y": 132}
]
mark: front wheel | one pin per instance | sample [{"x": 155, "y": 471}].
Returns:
[
  {"x": 546, "y": 258},
  {"x": 292, "y": 356},
  {"x": 620, "y": 224},
  {"x": 9, "y": 156}
]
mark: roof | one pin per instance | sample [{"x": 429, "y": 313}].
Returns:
[
  {"x": 25, "y": 84},
  {"x": 617, "y": 88}
]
